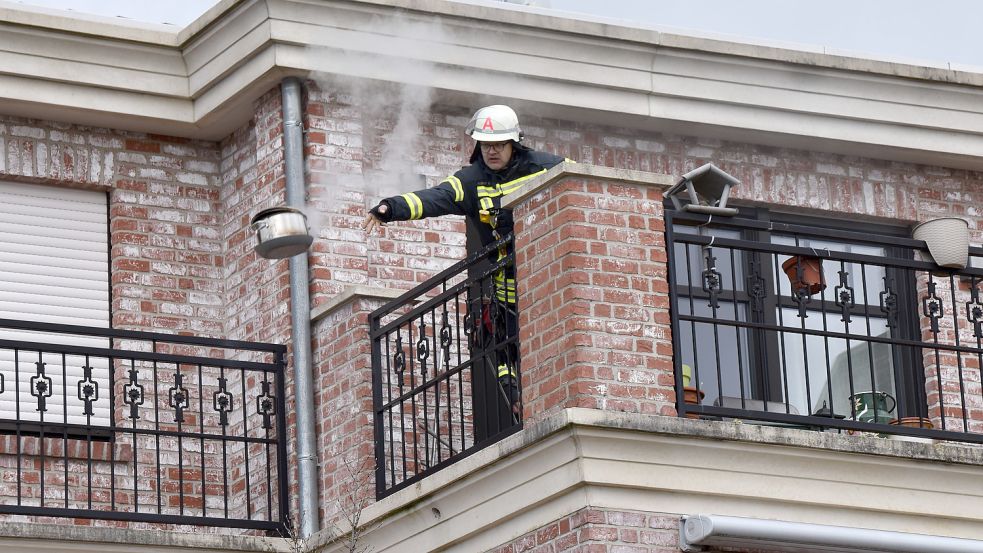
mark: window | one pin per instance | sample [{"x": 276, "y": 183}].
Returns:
[
  {"x": 54, "y": 268},
  {"x": 759, "y": 335}
]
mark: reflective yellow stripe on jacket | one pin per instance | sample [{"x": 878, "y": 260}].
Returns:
[
  {"x": 415, "y": 205},
  {"x": 458, "y": 188}
]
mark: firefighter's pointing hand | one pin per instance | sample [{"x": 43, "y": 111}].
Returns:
[{"x": 377, "y": 216}]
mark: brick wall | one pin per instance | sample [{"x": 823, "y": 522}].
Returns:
[
  {"x": 165, "y": 261},
  {"x": 594, "y": 312},
  {"x": 181, "y": 253},
  {"x": 598, "y": 530},
  {"x": 343, "y": 384}
]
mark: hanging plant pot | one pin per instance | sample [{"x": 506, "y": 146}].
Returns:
[
  {"x": 947, "y": 239},
  {"x": 811, "y": 279},
  {"x": 692, "y": 396}
]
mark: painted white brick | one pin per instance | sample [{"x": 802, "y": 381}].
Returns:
[
  {"x": 192, "y": 178},
  {"x": 27, "y": 132}
]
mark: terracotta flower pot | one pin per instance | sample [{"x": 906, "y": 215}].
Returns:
[
  {"x": 913, "y": 422},
  {"x": 692, "y": 396},
  {"x": 812, "y": 274}
]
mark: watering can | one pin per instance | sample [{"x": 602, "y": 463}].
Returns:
[{"x": 873, "y": 406}]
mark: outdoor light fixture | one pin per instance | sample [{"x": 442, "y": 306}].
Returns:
[
  {"x": 706, "y": 191},
  {"x": 700, "y": 532},
  {"x": 281, "y": 232}
]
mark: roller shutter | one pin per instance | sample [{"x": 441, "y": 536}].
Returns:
[{"x": 54, "y": 268}]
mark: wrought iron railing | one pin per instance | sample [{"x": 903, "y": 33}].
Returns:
[
  {"x": 884, "y": 341},
  {"x": 136, "y": 426},
  {"x": 439, "y": 353}
]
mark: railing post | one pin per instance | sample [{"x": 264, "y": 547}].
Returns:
[
  {"x": 283, "y": 473},
  {"x": 377, "y": 419}
]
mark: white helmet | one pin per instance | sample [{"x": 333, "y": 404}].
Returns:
[{"x": 494, "y": 124}]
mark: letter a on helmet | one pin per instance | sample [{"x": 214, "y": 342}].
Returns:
[{"x": 494, "y": 124}]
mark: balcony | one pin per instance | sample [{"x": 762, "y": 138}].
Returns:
[
  {"x": 436, "y": 354},
  {"x": 141, "y": 427},
  {"x": 616, "y": 297},
  {"x": 817, "y": 327},
  {"x": 884, "y": 344}
]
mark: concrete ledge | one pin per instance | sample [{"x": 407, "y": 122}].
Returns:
[
  {"x": 624, "y": 461},
  {"x": 352, "y": 293},
  {"x": 38, "y": 538},
  {"x": 571, "y": 169}
]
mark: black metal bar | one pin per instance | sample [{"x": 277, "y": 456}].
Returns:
[
  {"x": 245, "y": 452},
  {"x": 44, "y": 347},
  {"x": 225, "y": 453},
  {"x": 201, "y": 441},
  {"x": 821, "y": 252},
  {"x": 378, "y": 415},
  {"x": 64, "y": 414},
  {"x": 20, "y": 476},
  {"x": 826, "y": 233},
  {"x": 244, "y": 523},
  {"x": 841, "y": 335},
  {"x": 141, "y": 335},
  {"x": 959, "y": 360},
  {"x": 156, "y": 383}
]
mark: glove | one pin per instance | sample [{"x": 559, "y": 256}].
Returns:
[{"x": 382, "y": 212}]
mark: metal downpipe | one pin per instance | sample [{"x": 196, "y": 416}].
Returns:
[{"x": 300, "y": 313}]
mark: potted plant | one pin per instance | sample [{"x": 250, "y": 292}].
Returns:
[
  {"x": 912, "y": 422},
  {"x": 805, "y": 273},
  {"x": 691, "y": 394}
]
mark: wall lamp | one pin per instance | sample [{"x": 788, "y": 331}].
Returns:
[
  {"x": 281, "y": 232},
  {"x": 704, "y": 190},
  {"x": 698, "y": 532}
]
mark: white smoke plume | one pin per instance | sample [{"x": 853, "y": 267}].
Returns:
[{"x": 393, "y": 114}]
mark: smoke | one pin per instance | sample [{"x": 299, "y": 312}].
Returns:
[{"x": 384, "y": 141}]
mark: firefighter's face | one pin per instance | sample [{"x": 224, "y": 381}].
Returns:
[{"x": 496, "y": 154}]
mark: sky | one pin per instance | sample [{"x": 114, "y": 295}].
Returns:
[{"x": 932, "y": 31}]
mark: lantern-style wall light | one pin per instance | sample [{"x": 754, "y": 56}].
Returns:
[
  {"x": 704, "y": 190},
  {"x": 281, "y": 232}
]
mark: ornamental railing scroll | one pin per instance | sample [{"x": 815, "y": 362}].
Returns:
[
  {"x": 137, "y": 426},
  {"x": 436, "y": 356},
  {"x": 888, "y": 343}
]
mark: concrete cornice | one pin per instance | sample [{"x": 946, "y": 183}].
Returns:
[
  {"x": 623, "y": 461},
  {"x": 353, "y": 293},
  {"x": 569, "y": 169},
  {"x": 201, "y": 81}
]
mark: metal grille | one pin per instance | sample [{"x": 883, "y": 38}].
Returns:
[
  {"x": 196, "y": 433},
  {"x": 880, "y": 340},
  {"x": 436, "y": 356}
]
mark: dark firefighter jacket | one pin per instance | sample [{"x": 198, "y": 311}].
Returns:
[{"x": 473, "y": 190}]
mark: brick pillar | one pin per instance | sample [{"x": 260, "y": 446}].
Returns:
[
  {"x": 593, "y": 296},
  {"x": 343, "y": 401}
]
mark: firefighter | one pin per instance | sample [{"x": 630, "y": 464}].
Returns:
[{"x": 500, "y": 163}]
